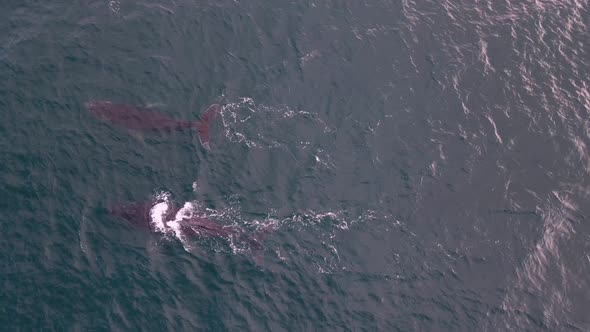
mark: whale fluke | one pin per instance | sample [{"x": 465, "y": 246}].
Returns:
[{"x": 204, "y": 125}]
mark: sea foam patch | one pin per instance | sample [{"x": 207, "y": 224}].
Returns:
[
  {"x": 159, "y": 211},
  {"x": 186, "y": 212},
  {"x": 157, "y": 215}
]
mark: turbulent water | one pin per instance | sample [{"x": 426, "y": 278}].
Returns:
[{"x": 424, "y": 164}]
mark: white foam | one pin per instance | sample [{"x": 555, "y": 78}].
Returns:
[
  {"x": 115, "y": 6},
  {"x": 175, "y": 227},
  {"x": 186, "y": 212},
  {"x": 157, "y": 214}
]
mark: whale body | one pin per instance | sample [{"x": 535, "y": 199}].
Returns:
[
  {"x": 141, "y": 215},
  {"x": 140, "y": 118}
]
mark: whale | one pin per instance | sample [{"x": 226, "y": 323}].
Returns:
[
  {"x": 139, "y": 118},
  {"x": 191, "y": 225}
]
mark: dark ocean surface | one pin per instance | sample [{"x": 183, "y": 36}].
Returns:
[{"x": 424, "y": 164}]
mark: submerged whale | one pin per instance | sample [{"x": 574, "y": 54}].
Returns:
[
  {"x": 139, "y": 118},
  {"x": 164, "y": 217}
]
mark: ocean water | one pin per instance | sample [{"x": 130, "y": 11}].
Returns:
[{"x": 423, "y": 165}]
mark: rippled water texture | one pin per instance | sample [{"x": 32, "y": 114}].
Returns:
[{"x": 423, "y": 165}]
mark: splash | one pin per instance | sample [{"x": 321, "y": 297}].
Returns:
[
  {"x": 187, "y": 211},
  {"x": 157, "y": 214},
  {"x": 323, "y": 225},
  {"x": 115, "y": 6},
  {"x": 159, "y": 210}
]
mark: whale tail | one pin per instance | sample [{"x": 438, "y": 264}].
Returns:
[{"x": 203, "y": 126}]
